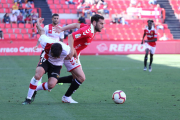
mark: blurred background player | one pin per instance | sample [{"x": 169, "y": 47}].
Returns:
[
  {"x": 78, "y": 41},
  {"x": 49, "y": 31},
  {"x": 51, "y": 62},
  {"x": 150, "y": 43}
]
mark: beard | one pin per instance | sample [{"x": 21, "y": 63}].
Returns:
[
  {"x": 97, "y": 29},
  {"x": 55, "y": 23}
]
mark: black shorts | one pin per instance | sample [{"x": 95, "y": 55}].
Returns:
[{"x": 52, "y": 70}]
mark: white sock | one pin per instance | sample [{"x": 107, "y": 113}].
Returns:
[
  {"x": 43, "y": 86},
  {"x": 32, "y": 87}
]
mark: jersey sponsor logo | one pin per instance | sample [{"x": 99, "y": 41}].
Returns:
[
  {"x": 77, "y": 35},
  {"x": 87, "y": 43},
  {"x": 87, "y": 31},
  {"x": 150, "y": 36},
  {"x": 77, "y": 46},
  {"x": 151, "y": 32}
]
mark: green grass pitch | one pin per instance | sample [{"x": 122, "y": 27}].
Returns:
[{"x": 150, "y": 96}]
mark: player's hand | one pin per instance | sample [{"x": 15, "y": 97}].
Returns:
[
  {"x": 68, "y": 57},
  {"x": 40, "y": 20},
  {"x": 35, "y": 48},
  {"x": 58, "y": 29}
]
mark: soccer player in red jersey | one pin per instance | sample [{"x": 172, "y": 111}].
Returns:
[
  {"x": 150, "y": 43},
  {"x": 78, "y": 41}
]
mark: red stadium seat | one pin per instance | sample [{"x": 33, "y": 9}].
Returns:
[
  {"x": 56, "y": 2},
  {"x": 66, "y": 11},
  {"x": 62, "y": 21},
  {"x": 75, "y": 21},
  {"x": 58, "y": 6},
  {"x": 1, "y": 25},
  {"x": 1, "y": 10},
  {"x": 13, "y": 36},
  {"x": 61, "y": 11},
  {"x": 6, "y": 5},
  {"x": 6, "y": 36},
  {"x": 17, "y": 31},
  {"x": 23, "y": 31},
  {"x": 10, "y": 1},
  {"x": 21, "y": 25},
  {"x": 7, "y": 25},
  {"x": 26, "y": 36},
  {"x": 68, "y": 21},
  {"x": 71, "y": 6},
  {"x": 52, "y": 6},
  {"x": 3, "y": 1},
  {"x": 10, "y": 30},
  {"x": 28, "y": 25},
  {"x": 19, "y": 36},
  {"x": 14, "y": 26},
  {"x": 50, "y": 1},
  {"x": 65, "y": 6}
]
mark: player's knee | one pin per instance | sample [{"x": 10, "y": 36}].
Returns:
[
  {"x": 50, "y": 86},
  {"x": 81, "y": 78},
  {"x": 37, "y": 76}
]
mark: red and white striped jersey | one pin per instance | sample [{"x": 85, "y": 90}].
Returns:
[
  {"x": 151, "y": 34},
  {"x": 46, "y": 43},
  {"x": 50, "y": 32}
]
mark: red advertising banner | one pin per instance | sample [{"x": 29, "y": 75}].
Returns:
[{"x": 96, "y": 47}]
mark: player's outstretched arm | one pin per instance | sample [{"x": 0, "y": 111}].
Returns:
[
  {"x": 38, "y": 25},
  {"x": 143, "y": 37},
  {"x": 68, "y": 27}
]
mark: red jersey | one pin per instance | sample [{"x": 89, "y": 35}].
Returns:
[
  {"x": 151, "y": 34},
  {"x": 83, "y": 37}
]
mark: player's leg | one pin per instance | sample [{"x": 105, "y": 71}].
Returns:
[
  {"x": 146, "y": 58},
  {"x": 152, "y": 51},
  {"x": 66, "y": 79},
  {"x": 33, "y": 85},
  {"x": 79, "y": 79},
  {"x": 53, "y": 75}
]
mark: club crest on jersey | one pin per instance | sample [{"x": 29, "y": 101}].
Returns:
[
  {"x": 152, "y": 32},
  {"x": 77, "y": 35}
]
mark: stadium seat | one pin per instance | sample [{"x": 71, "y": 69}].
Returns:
[
  {"x": 23, "y": 31},
  {"x": 28, "y": 25},
  {"x": 50, "y": 1},
  {"x": 30, "y": 31},
  {"x": 10, "y": 30},
  {"x": 66, "y": 11},
  {"x": 6, "y": 36},
  {"x": 12, "y": 36},
  {"x": 1, "y": 25},
  {"x": 17, "y": 31},
  {"x": 68, "y": 21},
  {"x": 5, "y": 5},
  {"x": 58, "y": 6},
  {"x": 3, "y": 1},
  {"x": 26, "y": 36},
  {"x": 7, "y": 25},
  {"x": 19, "y": 36},
  {"x": 71, "y": 6},
  {"x": 1, "y": 10},
  {"x": 75, "y": 21},
  {"x": 21, "y": 25},
  {"x": 65, "y": 6},
  {"x": 62, "y": 21},
  {"x": 61, "y": 11},
  {"x": 14, "y": 26},
  {"x": 56, "y": 2}
]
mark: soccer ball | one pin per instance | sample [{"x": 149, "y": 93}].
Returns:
[{"x": 119, "y": 97}]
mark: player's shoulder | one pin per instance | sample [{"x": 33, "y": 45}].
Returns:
[{"x": 146, "y": 28}]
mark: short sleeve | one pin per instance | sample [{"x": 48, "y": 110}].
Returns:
[
  {"x": 46, "y": 29},
  {"x": 61, "y": 35},
  {"x": 155, "y": 33},
  {"x": 83, "y": 25}
]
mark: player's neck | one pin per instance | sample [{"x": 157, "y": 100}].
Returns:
[
  {"x": 54, "y": 24},
  {"x": 149, "y": 28}
]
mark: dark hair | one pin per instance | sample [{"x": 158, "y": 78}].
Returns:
[
  {"x": 54, "y": 15},
  {"x": 56, "y": 49},
  {"x": 96, "y": 18},
  {"x": 150, "y": 21}
]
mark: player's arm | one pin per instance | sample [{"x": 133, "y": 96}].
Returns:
[
  {"x": 143, "y": 37},
  {"x": 154, "y": 40},
  {"x": 40, "y": 30},
  {"x": 68, "y": 27},
  {"x": 70, "y": 43}
]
